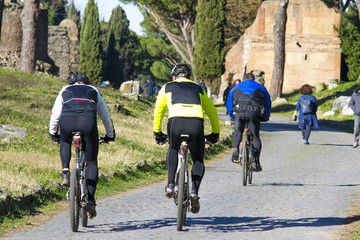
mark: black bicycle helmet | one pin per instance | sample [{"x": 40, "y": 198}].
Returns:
[
  {"x": 181, "y": 70},
  {"x": 78, "y": 77}
]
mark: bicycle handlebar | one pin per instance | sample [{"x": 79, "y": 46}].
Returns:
[
  {"x": 103, "y": 140},
  {"x": 165, "y": 139}
]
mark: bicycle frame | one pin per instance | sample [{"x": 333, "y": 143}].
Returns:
[
  {"x": 182, "y": 182},
  {"x": 78, "y": 191},
  {"x": 247, "y": 155},
  {"x": 80, "y": 166}
]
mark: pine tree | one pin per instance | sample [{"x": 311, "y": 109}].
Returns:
[
  {"x": 90, "y": 61},
  {"x": 209, "y": 49}
]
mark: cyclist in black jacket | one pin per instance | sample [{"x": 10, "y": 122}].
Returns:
[{"x": 75, "y": 109}]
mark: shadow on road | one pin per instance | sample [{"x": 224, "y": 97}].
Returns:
[
  {"x": 303, "y": 185},
  {"x": 284, "y": 126},
  {"x": 231, "y": 224}
]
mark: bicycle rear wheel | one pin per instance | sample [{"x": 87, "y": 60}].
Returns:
[
  {"x": 83, "y": 211},
  {"x": 245, "y": 159},
  {"x": 250, "y": 160},
  {"x": 74, "y": 200},
  {"x": 181, "y": 213}
]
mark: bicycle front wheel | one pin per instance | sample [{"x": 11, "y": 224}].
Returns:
[
  {"x": 245, "y": 162},
  {"x": 74, "y": 200},
  {"x": 181, "y": 213}
]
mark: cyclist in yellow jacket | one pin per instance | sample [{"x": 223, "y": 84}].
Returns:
[{"x": 186, "y": 102}]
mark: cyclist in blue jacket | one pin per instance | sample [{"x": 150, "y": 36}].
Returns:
[{"x": 251, "y": 100}]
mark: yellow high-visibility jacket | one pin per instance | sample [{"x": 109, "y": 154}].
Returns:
[{"x": 184, "y": 98}]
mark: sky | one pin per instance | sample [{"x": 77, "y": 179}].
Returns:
[{"x": 133, "y": 13}]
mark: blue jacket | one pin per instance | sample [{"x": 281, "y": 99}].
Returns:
[
  {"x": 150, "y": 86},
  {"x": 307, "y": 119},
  {"x": 245, "y": 91}
]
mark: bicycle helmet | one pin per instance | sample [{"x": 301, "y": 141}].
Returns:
[
  {"x": 181, "y": 70},
  {"x": 78, "y": 77}
]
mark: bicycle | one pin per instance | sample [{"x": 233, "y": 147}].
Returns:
[
  {"x": 182, "y": 181},
  {"x": 247, "y": 155},
  {"x": 77, "y": 193}
]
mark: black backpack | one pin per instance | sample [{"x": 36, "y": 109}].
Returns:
[{"x": 307, "y": 106}]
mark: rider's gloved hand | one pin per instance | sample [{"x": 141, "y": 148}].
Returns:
[
  {"x": 109, "y": 139},
  {"x": 160, "y": 137},
  {"x": 212, "y": 138},
  {"x": 55, "y": 137}
]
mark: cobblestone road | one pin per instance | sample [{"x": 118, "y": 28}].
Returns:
[{"x": 303, "y": 192}]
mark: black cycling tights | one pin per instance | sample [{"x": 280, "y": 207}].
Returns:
[
  {"x": 195, "y": 129},
  {"x": 88, "y": 126}
]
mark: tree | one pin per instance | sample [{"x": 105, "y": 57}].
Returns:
[
  {"x": 176, "y": 20},
  {"x": 56, "y": 10},
  {"x": 349, "y": 32},
  {"x": 209, "y": 49},
  {"x": 1, "y": 10},
  {"x": 73, "y": 14},
  {"x": 120, "y": 48},
  {"x": 277, "y": 78},
  {"x": 240, "y": 14},
  {"x": 90, "y": 61},
  {"x": 29, "y": 20}
]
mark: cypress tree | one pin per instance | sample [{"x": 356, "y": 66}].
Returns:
[
  {"x": 73, "y": 14},
  {"x": 209, "y": 49},
  {"x": 90, "y": 61},
  {"x": 120, "y": 48}
]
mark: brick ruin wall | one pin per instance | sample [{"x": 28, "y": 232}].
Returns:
[
  {"x": 313, "y": 53},
  {"x": 57, "y": 47}
]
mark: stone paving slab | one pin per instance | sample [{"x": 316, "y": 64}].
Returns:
[{"x": 303, "y": 192}]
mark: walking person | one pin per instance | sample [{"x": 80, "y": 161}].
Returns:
[
  {"x": 354, "y": 104},
  {"x": 202, "y": 85},
  {"x": 75, "y": 110},
  {"x": 150, "y": 87},
  {"x": 306, "y": 106},
  {"x": 226, "y": 93}
]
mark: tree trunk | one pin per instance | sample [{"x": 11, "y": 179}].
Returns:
[
  {"x": 184, "y": 43},
  {"x": 1, "y": 11},
  {"x": 29, "y": 19},
  {"x": 277, "y": 78},
  {"x": 358, "y": 8}
]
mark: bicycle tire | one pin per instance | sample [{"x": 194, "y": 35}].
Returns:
[
  {"x": 74, "y": 200},
  {"x": 84, "y": 216},
  {"x": 250, "y": 169},
  {"x": 83, "y": 211},
  {"x": 181, "y": 201},
  {"x": 245, "y": 160}
]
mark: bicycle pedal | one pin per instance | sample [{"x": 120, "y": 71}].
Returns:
[{"x": 236, "y": 161}]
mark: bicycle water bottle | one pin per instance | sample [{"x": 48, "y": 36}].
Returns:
[{"x": 295, "y": 118}]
